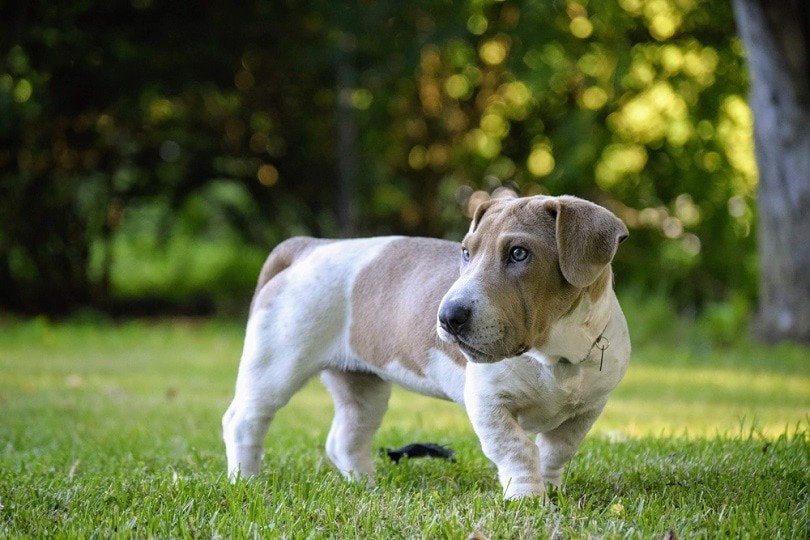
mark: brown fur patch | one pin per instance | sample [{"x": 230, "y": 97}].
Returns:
[{"x": 395, "y": 301}]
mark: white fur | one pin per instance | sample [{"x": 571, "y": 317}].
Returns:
[{"x": 443, "y": 379}]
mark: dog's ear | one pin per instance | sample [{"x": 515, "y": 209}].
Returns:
[
  {"x": 587, "y": 238},
  {"x": 499, "y": 195},
  {"x": 479, "y": 213}
]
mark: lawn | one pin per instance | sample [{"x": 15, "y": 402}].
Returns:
[{"x": 114, "y": 430}]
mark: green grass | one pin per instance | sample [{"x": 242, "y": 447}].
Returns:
[{"x": 113, "y": 430}]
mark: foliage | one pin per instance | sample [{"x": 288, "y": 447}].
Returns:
[
  {"x": 127, "y": 442},
  {"x": 110, "y": 111}
]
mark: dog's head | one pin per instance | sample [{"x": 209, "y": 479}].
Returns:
[{"x": 525, "y": 264}]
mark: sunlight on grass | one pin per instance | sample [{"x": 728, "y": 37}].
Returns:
[{"x": 700, "y": 401}]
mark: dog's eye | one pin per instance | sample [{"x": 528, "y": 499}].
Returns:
[
  {"x": 465, "y": 254},
  {"x": 518, "y": 254}
]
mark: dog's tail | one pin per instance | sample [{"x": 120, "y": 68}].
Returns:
[{"x": 282, "y": 257}]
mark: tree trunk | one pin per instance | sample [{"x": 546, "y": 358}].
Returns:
[{"x": 777, "y": 38}]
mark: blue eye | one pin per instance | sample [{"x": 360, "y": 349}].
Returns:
[
  {"x": 518, "y": 254},
  {"x": 465, "y": 254}
]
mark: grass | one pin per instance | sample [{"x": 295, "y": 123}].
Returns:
[{"x": 113, "y": 431}]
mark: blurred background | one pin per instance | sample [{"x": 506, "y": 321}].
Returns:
[{"x": 152, "y": 152}]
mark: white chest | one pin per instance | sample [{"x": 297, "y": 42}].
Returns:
[
  {"x": 558, "y": 393},
  {"x": 542, "y": 396}
]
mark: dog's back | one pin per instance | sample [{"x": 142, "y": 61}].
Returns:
[{"x": 282, "y": 257}]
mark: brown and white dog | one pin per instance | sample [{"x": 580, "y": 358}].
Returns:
[{"x": 532, "y": 336}]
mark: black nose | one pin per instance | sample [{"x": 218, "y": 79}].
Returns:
[{"x": 454, "y": 317}]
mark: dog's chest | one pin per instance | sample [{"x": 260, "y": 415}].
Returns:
[{"x": 549, "y": 395}]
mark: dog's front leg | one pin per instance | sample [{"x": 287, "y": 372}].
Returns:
[
  {"x": 559, "y": 445},
  {"x": 514, "y": 454},
  {"x": 507, "y": 445}
]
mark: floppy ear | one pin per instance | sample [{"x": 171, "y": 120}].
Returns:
[{"x": 587, "y": 238}]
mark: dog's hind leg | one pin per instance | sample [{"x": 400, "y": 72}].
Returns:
[
  {"x": 243, "y": 429},
  {"x": 361, "y": 400},
  {"x": 268, "y": 377}
]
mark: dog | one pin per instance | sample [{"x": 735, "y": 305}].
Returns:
[{"x": 518, "y": 323}]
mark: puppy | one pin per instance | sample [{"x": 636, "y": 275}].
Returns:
[{"x": 531, "y": 336}]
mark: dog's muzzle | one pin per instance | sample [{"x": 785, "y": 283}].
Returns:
[
  {"x": 454, "y": 318},
  {"x": 455, "y": 322}
]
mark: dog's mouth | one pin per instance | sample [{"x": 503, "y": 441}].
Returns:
[
  {"x": 478, "y": 356},
  {"x": 475, "y": 354}
]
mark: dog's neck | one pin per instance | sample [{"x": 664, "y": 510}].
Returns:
[{"x": 574, "y": 337}]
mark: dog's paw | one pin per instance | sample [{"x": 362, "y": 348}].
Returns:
[
  {"x": 364, "y": 478},
  {"x": 515, "y": 490}
]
